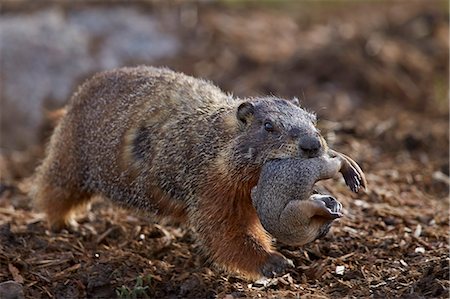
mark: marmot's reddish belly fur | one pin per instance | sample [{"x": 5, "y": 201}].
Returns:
[{"x": 175, "y": 146}]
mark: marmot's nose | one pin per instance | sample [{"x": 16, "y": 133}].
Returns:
[{"x": 310, "y": 145}]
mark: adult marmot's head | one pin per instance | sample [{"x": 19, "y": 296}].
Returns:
[{"x": 273, "y": 128}]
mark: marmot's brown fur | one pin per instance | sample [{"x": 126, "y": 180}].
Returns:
[
  {"x": 173, "y": 145},
  {"x": 284, "y": 201}
]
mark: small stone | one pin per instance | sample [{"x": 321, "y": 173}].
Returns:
[
  {"x": 419, "y": 250},
  {"x": 390, "y": 221},
  {"x": 418, "y": 231},
  {"x": 340, "y": 270}
]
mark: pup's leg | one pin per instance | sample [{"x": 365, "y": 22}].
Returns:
[
  {"x": 353, "y": 175},
  {"x": 303, "y": 221}
]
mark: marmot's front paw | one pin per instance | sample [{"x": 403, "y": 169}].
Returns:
[
  {"x": 276, "y": 265},
  {"x": 71, "y": 225}
]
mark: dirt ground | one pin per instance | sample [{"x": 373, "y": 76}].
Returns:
[{"x": 379, "y": 83}]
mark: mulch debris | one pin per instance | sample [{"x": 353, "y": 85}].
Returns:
[{"x": 382, "y": 78}]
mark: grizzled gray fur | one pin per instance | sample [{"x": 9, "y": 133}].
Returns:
[{"x": 284, "y": 201}]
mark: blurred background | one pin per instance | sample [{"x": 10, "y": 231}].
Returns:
[
  {"x": 337, "y": 57},
  {"x": 376, "y": 73}
]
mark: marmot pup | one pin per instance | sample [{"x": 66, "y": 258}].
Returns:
[
  {"x": 284, "y": 201},
  {"x": 163, "y": 142}
]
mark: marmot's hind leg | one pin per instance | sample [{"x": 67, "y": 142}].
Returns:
[{"x": 59, "y": 204}]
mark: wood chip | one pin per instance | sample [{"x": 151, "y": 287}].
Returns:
[{"x": 15, "y": 273}]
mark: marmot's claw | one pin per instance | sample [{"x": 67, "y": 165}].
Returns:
[{"x": 276, "y": 265}]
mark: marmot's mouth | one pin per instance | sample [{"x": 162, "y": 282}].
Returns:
[{"x": 277, "y": 156}]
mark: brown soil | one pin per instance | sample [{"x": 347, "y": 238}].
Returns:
[{"x": 382, "y": 77}]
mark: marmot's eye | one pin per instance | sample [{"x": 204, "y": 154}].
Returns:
[{"x": 268, "y": 126}]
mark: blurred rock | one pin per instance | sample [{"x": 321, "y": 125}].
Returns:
[
  {"x": 45, "y": 55},
  {"x": 123, "y": 36},
  {"x": 41, "y": 58}
]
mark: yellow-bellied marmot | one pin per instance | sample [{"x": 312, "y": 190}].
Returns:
[{"x": 166, "y": 143}]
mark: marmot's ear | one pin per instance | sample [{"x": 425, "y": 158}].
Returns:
[
  {"x": 295, "y": 101},
  {"x": 245, "y": 111}
]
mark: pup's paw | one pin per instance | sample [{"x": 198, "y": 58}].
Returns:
[
  {"x": 353, "y": 175},
  {"x": 331, "y": 207}
]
